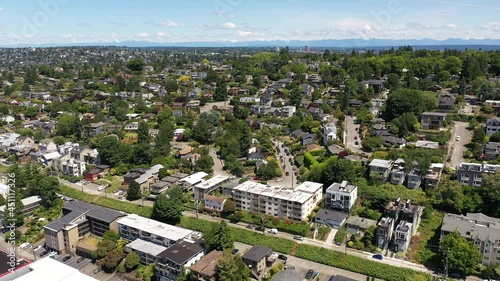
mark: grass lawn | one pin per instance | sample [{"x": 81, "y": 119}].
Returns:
[
  {"x": 91, "y": 240},
  {"x": 423, "y": 248},
  {"x": 114, "y": 185},
  {"x": 119, "y": 205},
  {"x": 3, "y": 169}
]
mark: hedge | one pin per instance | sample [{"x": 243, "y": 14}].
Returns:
[
  {"x": 107, "y": 202},
  {"x": 357, "y": 264},
  {"x": 288, "y": 226}
]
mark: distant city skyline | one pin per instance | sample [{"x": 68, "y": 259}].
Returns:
[{"x": 113, "y": 21}]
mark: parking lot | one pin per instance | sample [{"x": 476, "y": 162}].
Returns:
[{"x": 85, "y": 266}]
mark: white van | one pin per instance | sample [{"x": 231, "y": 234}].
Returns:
[{"x": 273, "y": 231}]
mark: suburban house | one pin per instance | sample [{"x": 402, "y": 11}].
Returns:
[
  {"x": 341, "y": 196},
  {"x": 492, "y": 126},
  {"x": 307, "y": 139},
  {"x": 414, "y": 179},
  {"x": 359, "y": 225},
  {"x": 398, "y": 173},
  {"x": 329, "y": 133},
  {"x": 385, "y": 228},
  {"x": 205, "y": 268},
  {"x": 491, "y": 150},
  {"x": 30, "y": 205},
  {"x": 402, "y": 235},
  {"x": 85, "y": 154},
  {"x": 377, "y": 85},
  {"x": 214, "y": 203},
  {"x": 495, "y": 104},
  {"x": 256, "y": 260},
  {"x": 482, "y": 230},
  {"x": 332, "y": 218},
  {"x": 446, "y": 101},
  {"x": 97, "y": 128},
  {"x": 288, "y": 111},
  {"x": 432, "y": 120},
  {"x": 431, "y": 179},
  {"x": 380, "y": 168},
  {"x": 472, "y": 173}
]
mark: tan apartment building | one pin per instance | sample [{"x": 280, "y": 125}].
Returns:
[
  {"x": 294, "y": 204},
  {"x": 79, "y": 220}
]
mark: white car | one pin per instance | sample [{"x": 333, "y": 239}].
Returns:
[
  {"x": 278, "y": 180},
  {"x": 101, "y": 188},
  {"x": 37, "y": 248},
  {"x": 457, "y": 138},
  {"x": 25, "y": 246}
]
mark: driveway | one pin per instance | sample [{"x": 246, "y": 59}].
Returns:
[
  {"x": 457, "y": 148},
  {"x": 351, "y": 131},
  {"x": 286, "y": 166},
  {"x": 218, "y": 164}
]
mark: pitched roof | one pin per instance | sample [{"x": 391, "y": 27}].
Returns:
[
  {"x": 207, "y": 264},
  {"x": 98, "y": 212},
  {"x": 257, "y": 253},
  {"x": 182, "y": 252}
]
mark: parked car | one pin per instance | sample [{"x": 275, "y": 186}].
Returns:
[
  {"x": 259, "y": 228},
  {"x": 355, "y": 137},
  {"x": 273, "y": 231},
  {"x": 287, "y": 173},
  {"x": 249, "y": 226},
  {"x": 298, "y": 237},
  {"x": 378, "y": 257},
  {"x": 97, "y": 270},
  {"x": 66, "y": 258},
  {"x": 235, "y": 251},
  {"x": 44, "y": 253},
  {"x": 456, "y": 276},
  {"x": 309, "y": 274},
  {"x": 25, "y": 246},
  {"x": 283, "y": 257},
  {"x": 457, "y": 138},
  {"x": 37, "y": 248},
  {"x": 80, "y": 260}
]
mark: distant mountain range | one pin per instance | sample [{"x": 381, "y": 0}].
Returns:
[{"x": 323, "y": 44}]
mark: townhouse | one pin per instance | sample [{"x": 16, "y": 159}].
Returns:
[
  {"x": 341, "y": 196},
  {"x": 472, "y": 173}
]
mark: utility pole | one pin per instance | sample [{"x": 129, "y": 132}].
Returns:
[
  {"x": 345, "y": 242},
  {"x": 263, "y": 220},
  {"x": 196, "y": 202},
  {"x": 446, "y": 266}
]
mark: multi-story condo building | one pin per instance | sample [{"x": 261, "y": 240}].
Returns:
[
  {"x": 133, "y": 227},
  {"x": 402, "y": 236},
  {"x": 206, "y": 187},
  {"x": 414, "y": 179},
  {"x": 341, "y": 196},
  {"x": 380, "y": 169},
  {"x": 181, "y": 255},
  {"x": 431, "y": 179},
  {"x": 294, "y": 204},
  {"x": 79, "y": 219},
  {"x": 86, "y": 154},
  {"x": 482, "y": 230},
  {"x": 385, "y": 228},
  {"x": 472, "y": 173},
  {"x": 148, "y": 252}
]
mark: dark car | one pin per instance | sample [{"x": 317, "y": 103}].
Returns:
[
  {"x": 66, "y": 258},
  {"x": 80, "y": 260},
  {"x": 298, "y": 237},
  {"x": 309, "y": 274},
  {"x": 287, "y": 173},
  {"x": 282, "y": 257},
  {"x": 249, "y": 226},
  {"x": 378, "y": 257},
  {"x": 235, "y": 251},
  {"x": 259, "y": 228},
  {"x": 456, "y": 276},
  {"x": 4, "y": 230},
  {"x": 44, "y": 253}
]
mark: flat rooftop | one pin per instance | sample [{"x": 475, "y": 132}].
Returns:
[
  {"x": 280, "y": 192},
  {"x": 48, "y": 269},
  {"x": 211, "y": 182},
  {"x": 194, "y": 178},
  {"x": 157, "y": 228},
  {"x": 147, "y": 247}
]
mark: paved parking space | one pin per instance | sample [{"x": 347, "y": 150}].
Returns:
[{"x": 73, "y": 262}]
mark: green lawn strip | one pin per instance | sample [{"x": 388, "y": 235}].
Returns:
[
  {"x": 313, "y": 253},
  {"x": 107, "y": 202}
]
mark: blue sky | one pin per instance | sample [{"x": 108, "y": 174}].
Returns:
[{"x": 79, "y": 21}]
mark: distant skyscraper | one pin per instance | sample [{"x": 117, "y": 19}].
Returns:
[
  {"x": 306, "y": 49},
  {"x": 287, "y": 49},
  {"x": 277, "y": 49}
]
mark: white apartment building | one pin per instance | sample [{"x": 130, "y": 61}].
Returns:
[
  {"x": 133, "y": 227},
  {"x": 208, "y": 186},
  {"x": 288, "y": 111},
  {"x": 403, "y": 236},
  {"x": 341, "y": 196},
  {"x": 294, "y": 204}
]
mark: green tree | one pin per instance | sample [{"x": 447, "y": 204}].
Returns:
[
  {"x": 202, "y": 133},
  {"x": 132, "y": 260},
  {"x": 231, "y": 268},
  {"x": 165, "y": 135},
  {"x": 462, "y": 255},
  {"x": 219, "y": 237},
  {"x": 406, "y": 123},
  {"x": 406, "y": 101},
  {"x": 66, "y": 126},
  {"x": 229, "y": 207},
  {"x": 113, "y": 152},
  {"x": 337, "y": 170},
  {"x": 221, "y": 91},
  {"x": 371, "y": 143},
  {"x": 168, "y": 209},
  {"x": 111, "y": 260},
  {"x": 479, "y": 135},
  {"x": 31, "y": 112},
  {"x": 111, "y": 236},
  {"x": 495, "y": 137},
  {"x": 48, "y": 186},
  {"x": 143, "y": 133},
  {"x": 134, "y": 191},
  {"x": 104, "y": 247},
  {"x": 490, "y": 194},
  {"x": 136, "y": 64},
  {"x": 171, "y": 86},
  {"x": 205, "y": 164}
]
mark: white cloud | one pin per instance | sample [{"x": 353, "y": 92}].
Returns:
[
  {"x": 229, "y": 25},
  {"x": 171, "y": 23},
  {"x": 451, "y": 26},
  {"x": 143, "y": 34},
  {"x": 245, "y": 33},
  {"x": 495, "y": 25},
  {"x": 161, "y": 34},
  {"x": 1, "y": 8},
  {"x": 417, "y": 25}
]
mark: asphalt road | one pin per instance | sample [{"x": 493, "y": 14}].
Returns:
[
  {"x": 289, "y": 181},
  {"x": 218, "y": 164},
  {"x": 209, "y": 106},
  {"x": 457, "y": 148},
  {"x": 351, "y": 130}
]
